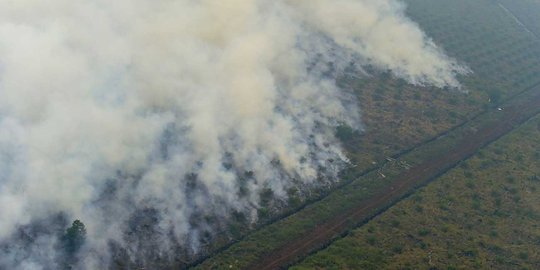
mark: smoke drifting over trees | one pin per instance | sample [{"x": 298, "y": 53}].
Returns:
[{"x": 117, "y": 111}]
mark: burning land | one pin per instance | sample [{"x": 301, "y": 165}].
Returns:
[{"x": 217, "y": 134}]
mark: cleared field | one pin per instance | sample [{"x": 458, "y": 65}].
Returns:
[{"x": 483, "y": 214}]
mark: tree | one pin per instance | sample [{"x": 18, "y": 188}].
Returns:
[
  {"x": 344, "y": 132},
  {"x": 74, "y": 237}
]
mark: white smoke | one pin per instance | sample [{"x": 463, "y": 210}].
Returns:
[{"x": 110, "y": 107}]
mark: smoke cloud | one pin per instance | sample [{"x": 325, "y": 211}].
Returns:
[{"x": 114, "y": 111}]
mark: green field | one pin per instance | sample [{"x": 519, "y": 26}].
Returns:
[
  {"x": 484, "y": 214},
  {"x": 505, "y": 60},
  {"x": 526, "y": 11}
]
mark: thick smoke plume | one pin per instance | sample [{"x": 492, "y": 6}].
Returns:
[{"x": 113, "y": 111}]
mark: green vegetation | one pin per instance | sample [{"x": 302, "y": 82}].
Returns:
[
  {"x": 526, "y": 12},
  {"x": 74, "y": 237},
  {"x": 505, "y": 60},
  {"x": 484, "y": 214},
  {"x": 70, "y": 243},
  {"x": 503, "y": 55},
  {"x": 258, "y": 244}
]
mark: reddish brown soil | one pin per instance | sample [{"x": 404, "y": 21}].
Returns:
[{"x": 514, "y": 113}]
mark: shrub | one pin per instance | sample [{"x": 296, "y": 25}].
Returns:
[
  {"x": 424, "y": 232},
  {"x": 371, "y": 240},
  {"x": 344, "y": 133},
  {"x": 523, "y": 255}
]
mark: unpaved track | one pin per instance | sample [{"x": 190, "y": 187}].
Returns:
[{"x": 515, "y": 113}]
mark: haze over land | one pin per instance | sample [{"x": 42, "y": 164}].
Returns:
[{"x": 184, "y": 109}]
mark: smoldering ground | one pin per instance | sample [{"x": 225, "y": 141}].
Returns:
[{"x": 129, "y": 113}]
